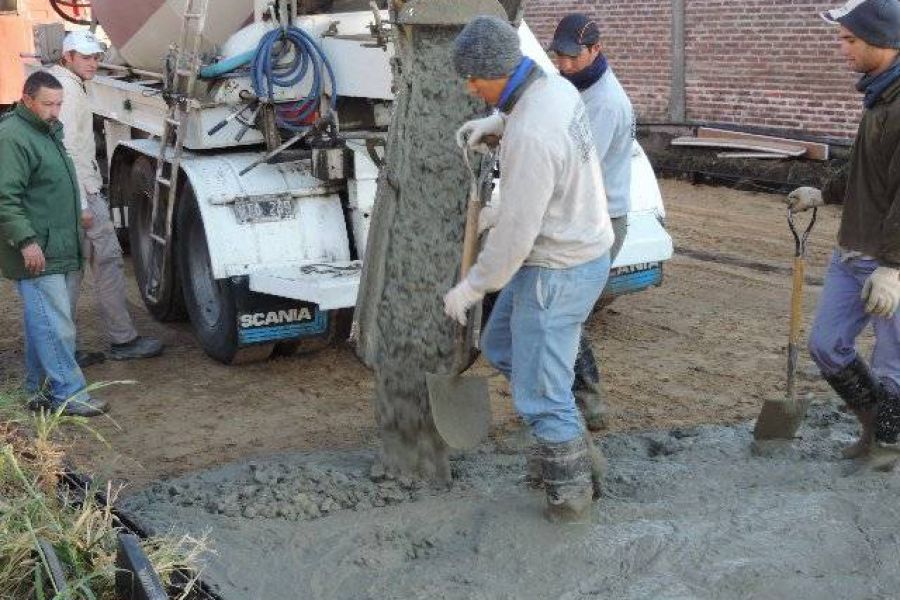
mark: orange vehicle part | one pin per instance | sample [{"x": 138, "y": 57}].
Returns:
[{"x": 17, "y": 19}]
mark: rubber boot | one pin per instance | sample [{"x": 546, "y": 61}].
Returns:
[
  {"x": 887, "y": 417},
  {"x": 533, "y": 476},
  {"x": 587, "y": 390},
  {"x": 862, "y": 392},
  {"x": 863, "y": 446},
  {"x": 599, "y": 466},
  {"x": 566, "y": 472}
]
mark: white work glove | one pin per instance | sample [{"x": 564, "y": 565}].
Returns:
[
  {"x": 804, "y": 198},
  {"x": 472, "y": 133},
  {"x": 458, "y": 301},
  {"x": 488, "y": 217},
  {"x": 881, "y": 292}
]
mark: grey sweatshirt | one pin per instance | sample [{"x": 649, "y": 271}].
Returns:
[
  {"x": 553, "y": 210},
  {"x": 612, "y": 122}
]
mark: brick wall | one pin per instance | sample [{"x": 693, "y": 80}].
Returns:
[{"x": 766, "y": 64}]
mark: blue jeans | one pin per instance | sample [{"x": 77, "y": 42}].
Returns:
[
  {"x": 532, "y": 338},
  {"x": 841, "y": 317},
  {"x": 50, "y": 337}
]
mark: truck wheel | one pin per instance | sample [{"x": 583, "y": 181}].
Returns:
[
  {"x": 169, "y": 305},
  {"x": 210, "y": 302}
]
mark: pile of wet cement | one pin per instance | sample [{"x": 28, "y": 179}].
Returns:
[
  {"x": 688, "y": 513},
  {"x": 286, "y": 490}
]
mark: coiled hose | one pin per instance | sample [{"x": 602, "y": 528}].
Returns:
[{"x": 269, "y": 71}]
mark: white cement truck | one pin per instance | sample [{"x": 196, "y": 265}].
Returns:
[{"x": 268, "y": 259}]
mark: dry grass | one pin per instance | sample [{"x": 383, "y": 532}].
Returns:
[{"x": 83, "y": 532}]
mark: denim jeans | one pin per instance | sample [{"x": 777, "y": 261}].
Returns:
[
  {"x": 50, "y": 336},
  {"x": 532, "y": 338},
  {"x": 841, "y": 317}
]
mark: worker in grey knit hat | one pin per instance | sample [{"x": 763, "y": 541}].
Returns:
[
  {"x": 862, "y": 285},
  {"x": 547, "y": 253}
]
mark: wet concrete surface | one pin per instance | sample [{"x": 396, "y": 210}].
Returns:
[{"x": 694, "y": 512}]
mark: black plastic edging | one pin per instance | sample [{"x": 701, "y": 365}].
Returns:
[{"x": 81, "y": 484}]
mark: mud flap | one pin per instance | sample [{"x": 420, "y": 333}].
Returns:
[{"x": 265, "y": 319}]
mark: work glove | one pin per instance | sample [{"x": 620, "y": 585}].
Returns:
[
  {"x": 473, "y": 133},
  {"x": 881, "y": 292},
  {"x": 458, "y": 301},
  {"x": 804, "y": 198},
  {"x": 488, "y": 217}
]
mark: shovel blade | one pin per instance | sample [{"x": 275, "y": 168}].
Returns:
[
  {"x": 779, "y": 419},
  {"x": 460, "y": 408}
]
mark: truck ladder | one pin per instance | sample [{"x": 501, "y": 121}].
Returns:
[{"x": 182, "y": 76}]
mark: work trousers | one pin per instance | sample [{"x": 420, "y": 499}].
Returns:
[
  {"x": 532, "y": 338},
  {"x": 587, "y": 374},
  {"x": 103, "y": 254},
  {"x": 841, "y": 317},
  {"x": 50, "y": 337}
]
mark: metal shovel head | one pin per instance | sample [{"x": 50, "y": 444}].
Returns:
[
  {"x": 780, "y": 419},
  {"x": 460, "y": 408}
]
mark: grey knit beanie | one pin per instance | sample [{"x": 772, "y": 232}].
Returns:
[
  {"x": 876, "y": 22},
  {"x": 487, "y": 48}
]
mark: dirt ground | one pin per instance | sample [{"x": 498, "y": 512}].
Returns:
[{"x": 706, "y": 347}]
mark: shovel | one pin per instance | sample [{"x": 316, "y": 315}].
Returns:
[
  {"x": 461, "y": 406},
  {"x": 780, "y": 419}
]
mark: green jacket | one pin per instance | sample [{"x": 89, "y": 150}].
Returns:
[
  {"x": 871, "y": 218},
  {"x": 38, "y": 195}
]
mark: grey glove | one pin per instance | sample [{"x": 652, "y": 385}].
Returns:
[{"x": 804, "y": 198}]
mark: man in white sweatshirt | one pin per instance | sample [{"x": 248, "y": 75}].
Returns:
[
  {"x": 81, "y": 53},
  {"x": 579, "y": 57},
  {"x": 548, "y": 252}
]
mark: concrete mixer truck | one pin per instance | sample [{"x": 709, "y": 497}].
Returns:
[{"x": 252, "y": 217}]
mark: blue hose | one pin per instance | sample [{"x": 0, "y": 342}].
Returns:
[
  {"x": 223, "y": 67},
  {"x": 267, "y": 74}
]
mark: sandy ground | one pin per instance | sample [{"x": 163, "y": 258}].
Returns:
[{"x": 706, "y": 347}]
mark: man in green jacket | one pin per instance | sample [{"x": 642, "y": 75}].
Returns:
[
  {"x": 862, "y": 285},
  {"x": 39, "y": 243}
]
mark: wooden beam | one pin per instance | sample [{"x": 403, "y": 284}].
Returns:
[
  {"x": 737, "y": 144},
  {"x": 814, "y": 150}
]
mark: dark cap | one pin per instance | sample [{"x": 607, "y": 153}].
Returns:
[
  {"x": 876, "y": 22},
  {"x": 573, "y": 33}
]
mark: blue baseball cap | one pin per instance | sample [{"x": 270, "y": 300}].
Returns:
[
  {"x": 573, "y": 33},
  {"x": 876, "y": 22}
]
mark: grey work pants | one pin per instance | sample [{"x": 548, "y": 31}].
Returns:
[{"x": 103, "y": 254}]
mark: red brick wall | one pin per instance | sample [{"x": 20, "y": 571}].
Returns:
[{"x": 770, "y": 64}]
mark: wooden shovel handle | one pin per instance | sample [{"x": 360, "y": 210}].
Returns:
[{"x": 797, "y": 300}]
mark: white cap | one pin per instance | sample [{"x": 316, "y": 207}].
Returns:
[{"x": 83, "y": 42}]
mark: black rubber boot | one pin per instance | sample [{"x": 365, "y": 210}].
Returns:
[
  {"x": 566, "y": 472},
  {"x": 586, "y": 388},
  {"x": 887, "y": 417},
  {"x": 858, "y": 387}
]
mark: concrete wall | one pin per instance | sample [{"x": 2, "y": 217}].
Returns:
[{"x": 766, "y": 64}]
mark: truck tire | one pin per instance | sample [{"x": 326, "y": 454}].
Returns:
[
  {"x": 210, "y": 302},
  {"x": 169, "y": 305}
]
